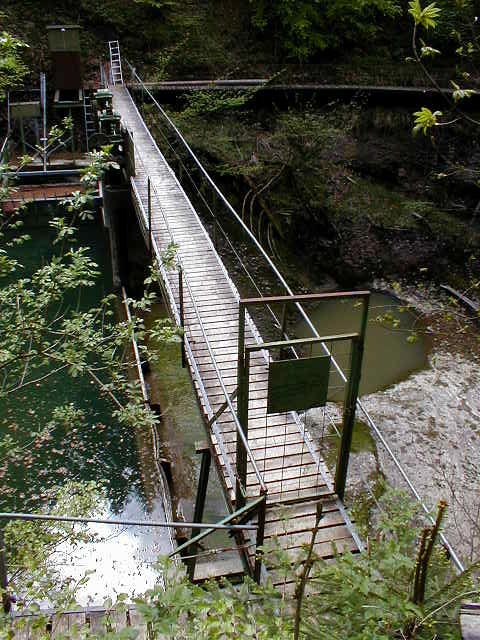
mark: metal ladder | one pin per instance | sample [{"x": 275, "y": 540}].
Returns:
[
  {"x": 115, "y": 62},
  {"x": 90, "y": 127}
]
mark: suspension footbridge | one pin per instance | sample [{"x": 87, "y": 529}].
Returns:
[{"x": 268, "y": 463}]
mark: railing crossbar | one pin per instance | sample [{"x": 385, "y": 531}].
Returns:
[
  {"x": 133, "y": 523},
  {"x": 239, "y": 514}
]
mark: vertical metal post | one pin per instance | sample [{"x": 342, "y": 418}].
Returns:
[
  {"x": 283, "y": 327},
  {"x": 257, "y": 572},
  {"x": 6, "y": 602},
  {"x": 22, "y": 136},
  {"x": 350, "y": 404},
  {"x": 149, "y": 200},
  {"x": 9, "y": 116},
  {"x": 242, "y": 408},
  {"x": 242, "y": 405},
  {"x": 199, "y": 502},
  {"x": 43, "y": 97},
  {"x": 283, "y": 322},
  {"x": 215, "y": 221},
  {"x": 182, "y": 315}
]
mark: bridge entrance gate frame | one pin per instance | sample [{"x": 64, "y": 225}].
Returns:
[
  {"x": 353, "y": 381},
  {"x": 243, "y": 510}
]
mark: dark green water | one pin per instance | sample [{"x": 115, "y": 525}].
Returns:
[
  {"x": 98, "y": 450},
  {"x": 389, "y": 357},
  {"x": 182, "y": 427}
]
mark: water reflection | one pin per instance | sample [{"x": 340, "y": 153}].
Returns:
[
  {"x": 388, "y": 357},
  {"x": 122, "y": 558},
  {"x": 40, "y": 454}
]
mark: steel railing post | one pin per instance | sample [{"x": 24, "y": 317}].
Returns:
[
  {"x": 242, "y": 408},
  {"x": 199, "y": 504},
  {"x": 257, "y": 572},
  {"x": 350, "y": 404},
  {"x": 149, "y": 200},
  {"x": 283, "y": 328},
  {"x": 182, "y": 314},
  {"x": 215, "y": 233},
  {"x": 6, "y": 601}
]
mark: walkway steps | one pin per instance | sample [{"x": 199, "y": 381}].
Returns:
[
  {"x": 288, "y": 461},
  {"x": 79, "y": 623}
]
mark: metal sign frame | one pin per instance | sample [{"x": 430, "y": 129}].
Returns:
[
  {"x": 298, "y": 384},
  {"x": 243, "y": 373}
]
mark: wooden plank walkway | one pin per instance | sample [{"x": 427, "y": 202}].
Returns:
[
  {"x": 286, "y": 456},
  {"x": 96, "y": 621}
]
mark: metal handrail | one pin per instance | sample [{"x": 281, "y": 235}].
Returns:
[
  {"x": 138, "y": 360},
  {"x": 231, "y": 246},
  {"x": 4, "y": 147},
  {"x": 252, "y": 506},
  {"x": 256, "y": 504},
  {"x": 133, "y": 523},
  {"x": 208, "y": 528},
  {"x": 177, "y": 318},
  {"x": 300, "y": 308},
  {"x": 212, "y": 356}
]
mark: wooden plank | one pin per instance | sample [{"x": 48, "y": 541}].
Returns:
[
  {"x": 300, "y": 510},
  {"x": 60, "y": 625},
  {"x": 22, "y": 628},
  {"x": 304, "y": 524},
  {"x": 76, "y": 620},
  {"x": 260, "y": 442},
  {"x": 96, "y": 621},
  {"x": 209, "y": 313},
  {"x": 470, "y": 620},
  {"x": 116, "y": 619},
  {"x": 287, "y": 473},
  {"x": 137, "y": 622},
  {"x": 280, "y": 490}
]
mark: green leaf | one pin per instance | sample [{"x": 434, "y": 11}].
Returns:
[
  {"x": 428, "y": 52},
  {"x": 460, "y": 94},
  {"x": 425, "y": 119},
  {"x": 424, "y": 17}
]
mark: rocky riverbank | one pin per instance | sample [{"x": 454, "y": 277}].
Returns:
[{"x": 431, "y": 420}]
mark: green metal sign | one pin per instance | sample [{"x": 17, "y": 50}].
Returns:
[{"x": 297, "y": 385}]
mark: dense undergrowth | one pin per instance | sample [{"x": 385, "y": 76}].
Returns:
[
  {"x": 376, "y": 201},
  {"x": 364, "y": 42},
  {"x": 352, "y": 175}
]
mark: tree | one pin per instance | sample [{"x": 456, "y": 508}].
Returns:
[
  {"x": 402, "y": 586},
  {"x": 305, "y": 27},
  {"x": 50, "y": 331},
  {"x": 425, "y": 120},
  {"x": 12, "y": 68}
]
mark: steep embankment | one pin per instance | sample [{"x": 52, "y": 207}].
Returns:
[
  {"x": 230, "y": 38},
  {"x": 345, "y": 188}
]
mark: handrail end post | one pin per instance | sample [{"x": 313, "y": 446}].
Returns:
[{"x": 262, "y": 508}]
